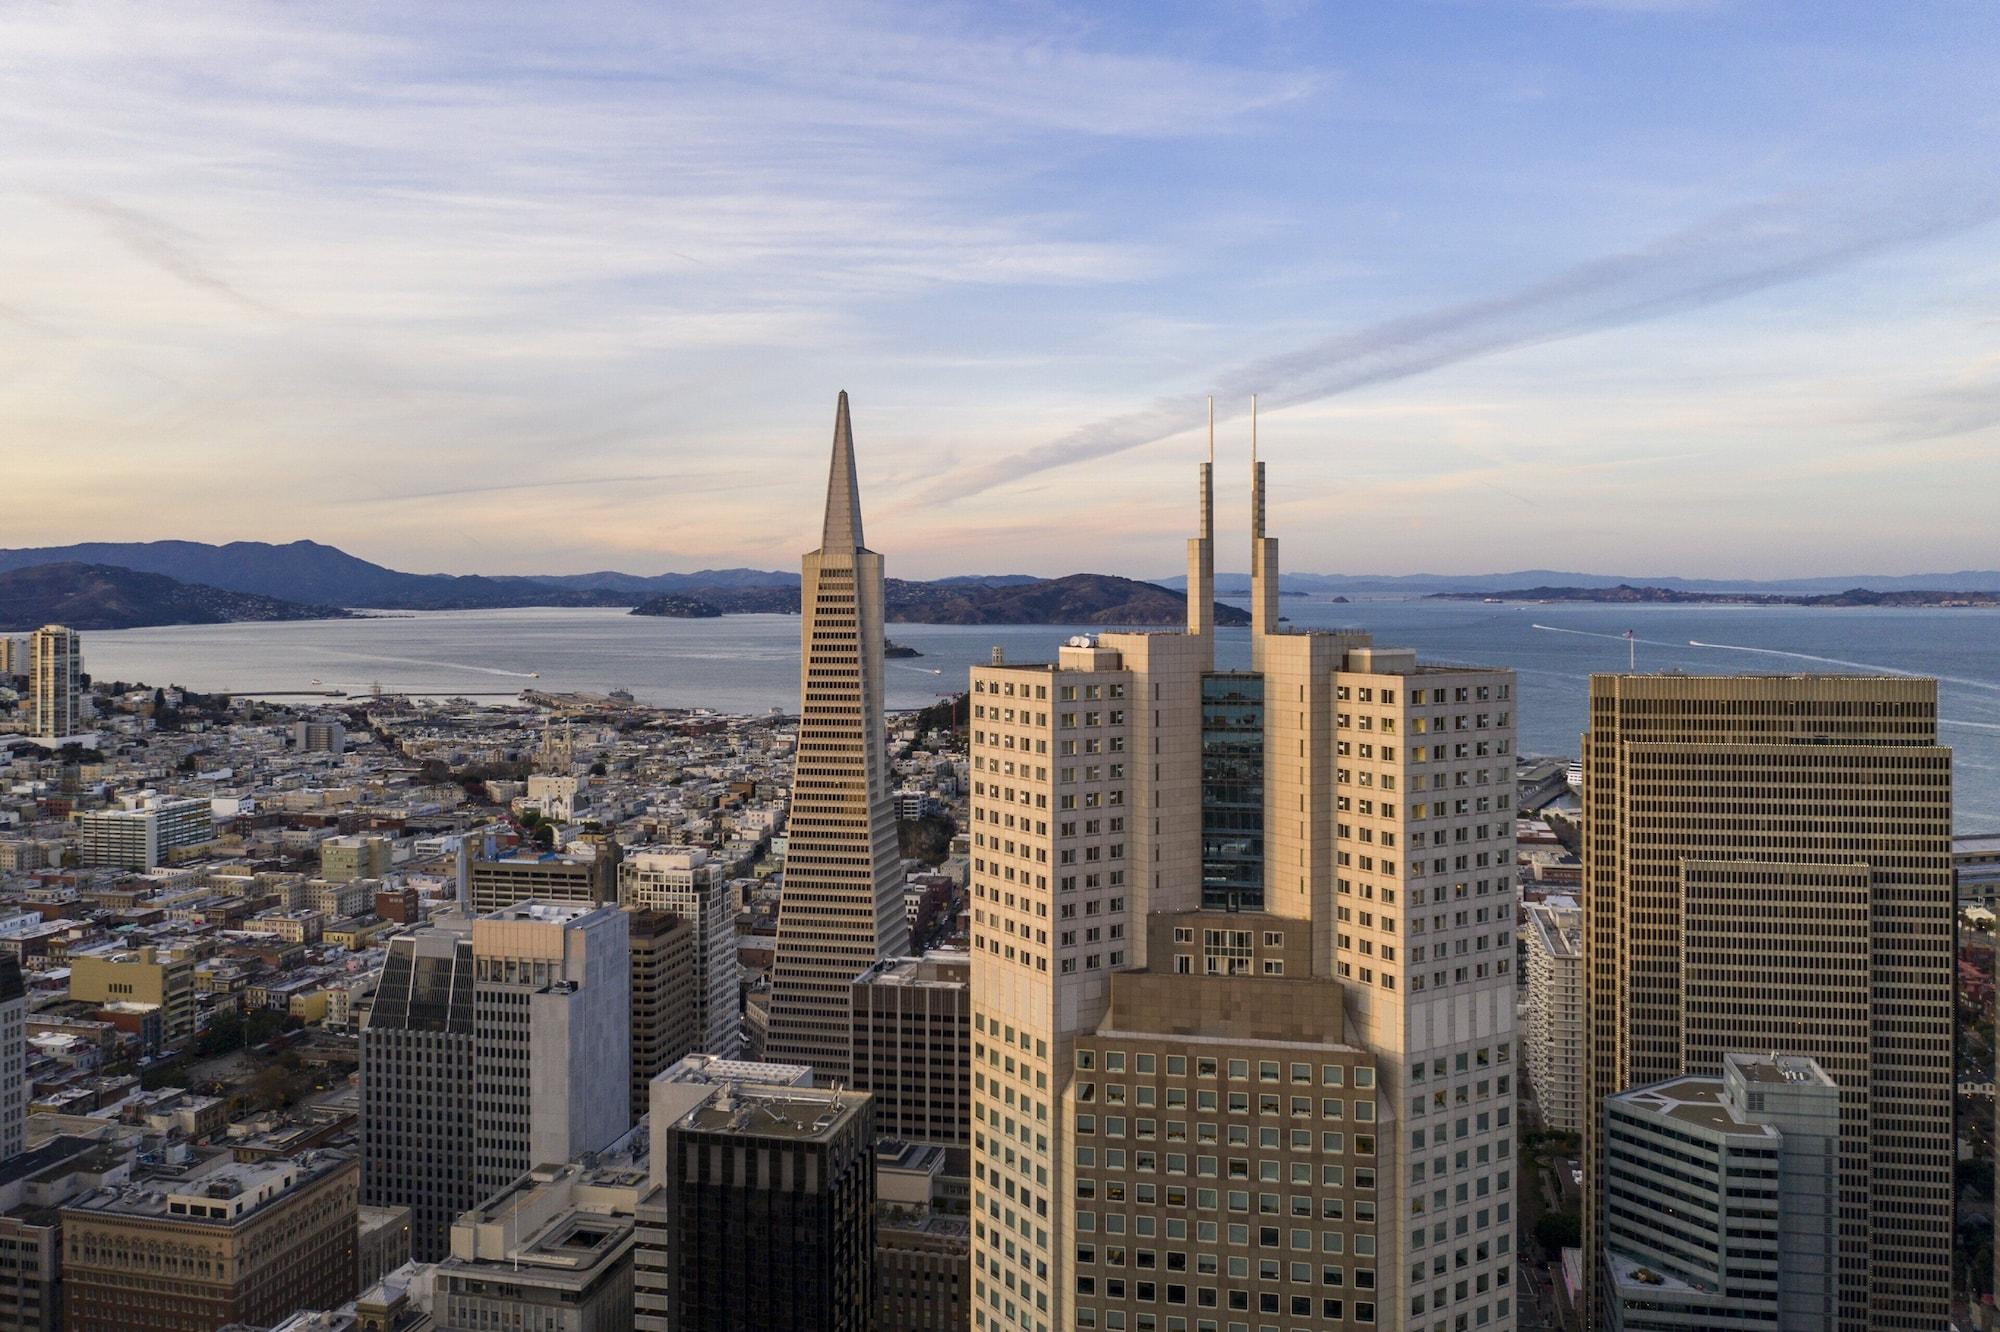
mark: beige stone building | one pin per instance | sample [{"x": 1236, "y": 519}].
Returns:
[
  {"x": 841, "y": 908},
  {"x": 1361, "y": 796},
  {"x": 1552, "y": 1036},
  {"x": 108, "y": 974},
  {"x": 1767, "y": 865},
  {"x": 222, "y": 1242}
]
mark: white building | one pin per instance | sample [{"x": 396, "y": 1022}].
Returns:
[
  {"x": 688, "y": 882},
  {"x": 143, "y": 830},
  {"x": 552, "y": 1043},
  {"x": 55, "y": 683},
  {"x": 1552, "y": 1013}
]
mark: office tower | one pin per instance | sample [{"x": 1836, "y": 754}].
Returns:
[
  {"x": 585, "y": 874},
  {"x": 689, "y": 882},
  {"x": 319, "y": 735},
  {"x": 1552, "y": 1038},
  {"x": 1226, "y": 1149},
  {"x": 912, "y": 1043},
  {"x": 552, "y": 1042},
  {"x": 1767, "y": 863},
  {"x": 417, "y": 1083},
  {"x": 665, "y": 1024},
  {"x": 144, "y": 831},
  {"x": 552, "y": 1252},
  {"x": 55, "y": 682},
  {"x": 1334, "y": 783},
  {"x": 841, "y": 907},
  {"x": 220, "y": 1242},
  {"x": 1721, "y": 1197},
  {"x": 767, "y": 1210},
  {"x": 109, "y": 974},
  {"x": 13, "y": 1058}
]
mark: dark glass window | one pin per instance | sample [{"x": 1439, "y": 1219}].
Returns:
[{"x": 1232, "y": 792}]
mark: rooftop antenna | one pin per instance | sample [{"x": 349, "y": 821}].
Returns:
[
  {"x": 1211, "y": 427},
  {"x": 1632, "y": 652}
]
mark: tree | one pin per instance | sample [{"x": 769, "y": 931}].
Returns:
[{"x": 1556, "y": 1231}]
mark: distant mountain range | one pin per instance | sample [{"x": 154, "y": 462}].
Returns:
[
  {"x": 1626, "y": 594},
  {"x": 103, "y": 596},
  {"x": 308, "y": 574},
  {"x": 1006, "y": 599},
  {"x": 1423, "y": 585}
]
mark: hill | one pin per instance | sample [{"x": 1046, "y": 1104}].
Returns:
[
  {"x": 1625, "y": 593},
  {"x": 1077, "y": 599},
  {"x": 101, "y": 596}
]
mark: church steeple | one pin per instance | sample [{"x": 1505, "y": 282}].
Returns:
[{"x": 842, "y": 530}]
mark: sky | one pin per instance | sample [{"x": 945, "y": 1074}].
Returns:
[{"x": 1695, "y": 287}]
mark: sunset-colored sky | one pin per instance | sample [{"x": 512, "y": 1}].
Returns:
[{"x": 1635, "y": 286}]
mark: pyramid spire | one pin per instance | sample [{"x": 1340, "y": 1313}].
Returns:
[{"x": 843, "y": 493}]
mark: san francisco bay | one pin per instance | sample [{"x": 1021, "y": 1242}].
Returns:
[{"x": 749, "y": 663}]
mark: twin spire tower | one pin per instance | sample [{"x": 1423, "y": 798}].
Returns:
[{"x": 1263, "y": 553}]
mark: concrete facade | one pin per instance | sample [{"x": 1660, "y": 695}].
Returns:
[
  {"x": 841, "y": 907},
  {"x": 1552, "y": 1033},
  {"x": 689, "y": 882},
  {"x": 1766, "y": 859},
  {"x": 912, "y": 1046}
]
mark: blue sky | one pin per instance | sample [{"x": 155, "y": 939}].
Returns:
[{"x": 1630, "y": 286}]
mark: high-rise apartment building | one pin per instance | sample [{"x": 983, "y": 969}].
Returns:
[
  {"x": 551, "y": 1025},
  {"x": 841, "y": 908},
  {"x": 1720, "y": 1199},
  {"x": 912, "y": 1046},
  {"x": 416, "y": 1085},
  {"x": 13, "y": 1058},
  {"x": 689, "y": 882},
  {"x": 665, "y": 1020},
  {"x": 1552, "y": 1037},
  {"x": 319, "y": 735},
  {"x": 144, "y": 831},
  {"x": 1361, "y": 796},
  {"x": 1767, "y": 864},
  {"x": 222, "y": 1242},
  {"x": 55, "y": 682}
]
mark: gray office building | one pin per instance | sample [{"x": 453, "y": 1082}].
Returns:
[{"x": 1720, "y": 1200}]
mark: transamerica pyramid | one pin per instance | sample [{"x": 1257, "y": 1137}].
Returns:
[{"x": 841, "y": 907}]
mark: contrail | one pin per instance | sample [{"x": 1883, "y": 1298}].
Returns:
[
  {"x": 1841, "y": 661},
  {"x": 1736, "y": 252}
]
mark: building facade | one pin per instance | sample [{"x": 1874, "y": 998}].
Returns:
[
  {"x": 55, "y": 682},
  {"x": 416, "y": 1081},
  {"x": 841, "y": 907},
  {"x": 551, "y": 1253},
  {"x": 1351, "y": 788},
  {"x": 13, "y": 1058},
  {"x": 109, "y": 974},
  {"x": 689, "y": 882},
  {"x": 912, "y": 1044},
  {"x": 766, "y": 1211},
  {"x": 143, "y": 832},
  {"x": 665, "y": 1014},
  {"x": 552, "y": 1045},
  {"x": 220, "y": 1243},
  {"x": 1767, "y": 862},
  {"x": 1552, "y": 1037},
  {"x": 588, "y": 875},
  {"x": 1721, "y": 1197}
]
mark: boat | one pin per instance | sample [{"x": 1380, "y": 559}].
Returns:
[
  {"x": 534, "y": 675},
  {"x": 316, "y": 680}
]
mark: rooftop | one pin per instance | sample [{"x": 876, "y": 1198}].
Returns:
[{"x": 774, "y": 1112}]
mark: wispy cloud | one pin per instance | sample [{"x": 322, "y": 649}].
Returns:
[{"x": 1743, "y": 250}]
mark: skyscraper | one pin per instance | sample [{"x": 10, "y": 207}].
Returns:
[
  {"x": 841, "y": 909},
  {"x": 689, "y": 882},
  {"x": 1767, "y": 864},
  {"x": 552, "y": 1052},
  {"x": 416, "y": 1079},
  {"x": 1359, "y": 800},
  {"x": 13, "y": 1058},
  {"x": 55, "y": 682}
]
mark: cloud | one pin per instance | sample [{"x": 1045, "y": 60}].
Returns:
[
  {"x": 1734, "y": 253},
  {"x": 162, "y": 245}
]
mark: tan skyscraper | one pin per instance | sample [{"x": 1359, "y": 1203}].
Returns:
[
  {"x": 841, "y": 910},
  {"x": 55, "y": 682},
  {"x": 1334, "y": 828},
  {"x": 1767, "y": 866}
]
